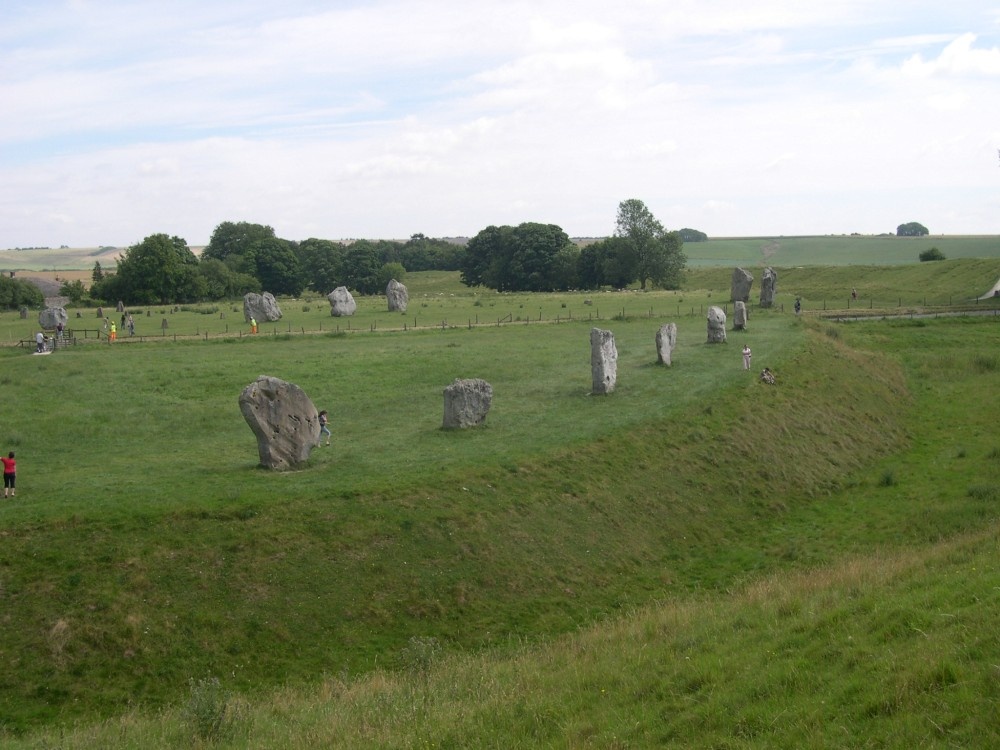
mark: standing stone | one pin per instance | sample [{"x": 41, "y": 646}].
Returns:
[
  {"x": 740, "y": 288},
  {"x": 120, "y": 307},
  {"x": 716, "y": 325},
  {"x": 260, "y": 307},
  {"x": 50, "y": 318},
  {"x": 739, "y": 316},
  {"x": 341, "y": 302},
  {"x": 466, "y": 403},
  {"x": 666, "y": 340},
  {"x": 768, "y": 287},
  {"x": 397, "y": 295},
  {"x": 24, "y": 313},
  {"x": 283, "y": 419},
  {"x": 603, "y": 361}
]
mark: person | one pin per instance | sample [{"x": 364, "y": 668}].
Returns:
[
  {"x": 113, "y": 336},
  {"x": 854, "y": 293},
  {"x": 131, "y": 325},
  {"x": 9, "y": 473},
  {"x": 59, "y": 329},
  {"x": 766, "y": 376},
  {"x": 323, "y": 428},
  {"x": 798, "y": 305},
  {"x": 39, "y": 342},
  {"x": 253, "y": 325},
  {"x": 746, "y": 356}
]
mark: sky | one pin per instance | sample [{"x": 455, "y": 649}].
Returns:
[{"x": 382, "y": 119}]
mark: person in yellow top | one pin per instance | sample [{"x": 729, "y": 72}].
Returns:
[
  {"x": 253, "y": 325},
  {"x": 113, "y": 335}
]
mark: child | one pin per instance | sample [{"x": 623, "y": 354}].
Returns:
[
  {"x": 9, "y": 473},
  {"x": 323, "y": 429}
]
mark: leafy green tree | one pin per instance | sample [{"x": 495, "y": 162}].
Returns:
[
  {"x": 361, "y": 268},
  {"x": 931, "y": 254},
  {"x": 236, "y": 238},
  {"x": 911, "y": 229},
  {"x": 75, "y": 290},
  {"x": 652, "y": 253},
  {"x": 534, "y": 252},
  {"x": 277, "y": 266},
  {"x": 221, "y": 282},
  {"x": 486, "y": 258},
  {"x": 15, "y": 294},
  {"x": 391, "y": 271},
  {"x": 421, "y": 253},
  {"x": 98, "y": 273},
  {"x": 692, "y": 235},
  {"x": 321, "y": 261},
  {"x": 160, "y": 269}
]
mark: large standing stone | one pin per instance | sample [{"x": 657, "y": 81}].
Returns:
[
  {"x": 716, "y": 325},
  {"x": 50, "y": 318},
  {"x": 739, "y": 316},
  {"x": 603, "y": 360},
  {"x": 283, "y": 419},
  {"x": 466, "y": 403},
  {"x": 341, "y": 302},
  {"x": 397, "y": 295},
  {"x": 740, "y": 287},
  {"x": 666, "y": 340},
  {"x": 768, "y": 287},
  {"x": 260, "y": 307}
]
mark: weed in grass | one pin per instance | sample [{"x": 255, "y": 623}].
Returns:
[
  {"x": 832, "y": 332},
  {"x": 994, "y": 453},
  {"x": 888, "y": 478},
  {"x": 983, "y": 492},
  {"x": 985, "y": 362},
  {"x": 210, "y": 712},
  {"x": 960, "y": 453}
]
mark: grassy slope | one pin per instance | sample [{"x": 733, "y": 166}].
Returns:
[{"x": 895, "y": 648}]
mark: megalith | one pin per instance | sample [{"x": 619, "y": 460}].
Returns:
[
  {"x": 260, "y": 307},
  {"x": 50, "y": 318},
  {"x": 283, "y": 419},
  {"x": 466, "y": 403},
  {"x": 768, "y": 287},
  {"x": 740, "y": 287},
  {"x": 342, "y": 303},
  {"x": 603, "y": 361},
  {"x": 716, "y": 325},
  {"x": 666, "y": 340},
  {"x": 739, "y": 316},
  {"x": 397, "y": 296}
]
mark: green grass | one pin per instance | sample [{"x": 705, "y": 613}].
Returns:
[{"x": 145, "y": 550}]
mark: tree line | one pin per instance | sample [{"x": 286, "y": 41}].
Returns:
[{"x": 244, "y": 257}]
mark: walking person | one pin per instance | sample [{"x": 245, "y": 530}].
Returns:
[
  {"x": 323, "y": 428},
  {"x": 113, "y": 336},
  {"x": 798, "y": 305},
  {"x": 39, "y": 342},
  {"x": 9, "y": 473},
  {"x": 746, "y": 356},
  {"x": 253, "y": 324}
]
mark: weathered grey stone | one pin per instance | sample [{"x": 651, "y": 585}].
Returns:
[
  {"x": 603, "y": 361},
  {"x": 24, "y": 313},
  {"x": 342, "y": 303},
  {"x": 740, "y": 287},
  {"x": 51, "y": 317},
  {"x": 716, "y": 325},
  {"x": 768, "y": 287},
  {"x": 260, "y": 307},
  {"x": 739, "y": 316},
  {"x": 282, "y": 418},
  {"x": 466, "y": 403},
  {"x": 397, "y": 296},
  {"x": 666, "y": 340},
  {"x": 120, "y": 307}
]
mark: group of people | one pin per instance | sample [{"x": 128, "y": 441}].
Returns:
[{"x": 766, "y": 376}]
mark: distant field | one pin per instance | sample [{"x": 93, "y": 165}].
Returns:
[{"x": 842, "y": 250}]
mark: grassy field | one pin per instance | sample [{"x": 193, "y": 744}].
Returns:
[{"x": 146, "y": 550}]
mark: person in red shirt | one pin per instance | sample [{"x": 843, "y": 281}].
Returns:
[{"x": 9, "y": 472}]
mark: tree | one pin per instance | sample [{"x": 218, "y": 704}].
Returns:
[
  {"x": 390, "y": 271},
  {"x": 321, "y": 261},
  {"x": 160, "y": 269},
  {"x": 75, "y": 290},
  {"x": 361, "y": 268},
  {"x": 931, "y": 254},
  {"x": 653, "y": 253},
  {"x": 15, "y": 293},
  {"x": 277, "y": 267},
  {"x": 235, "y": 238},
  {"x": 692, "y": 235},
  {"x": 911, "y": 229},
  {"x": 486, "y": 258},
  {"x": 98, "y": 273}
]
